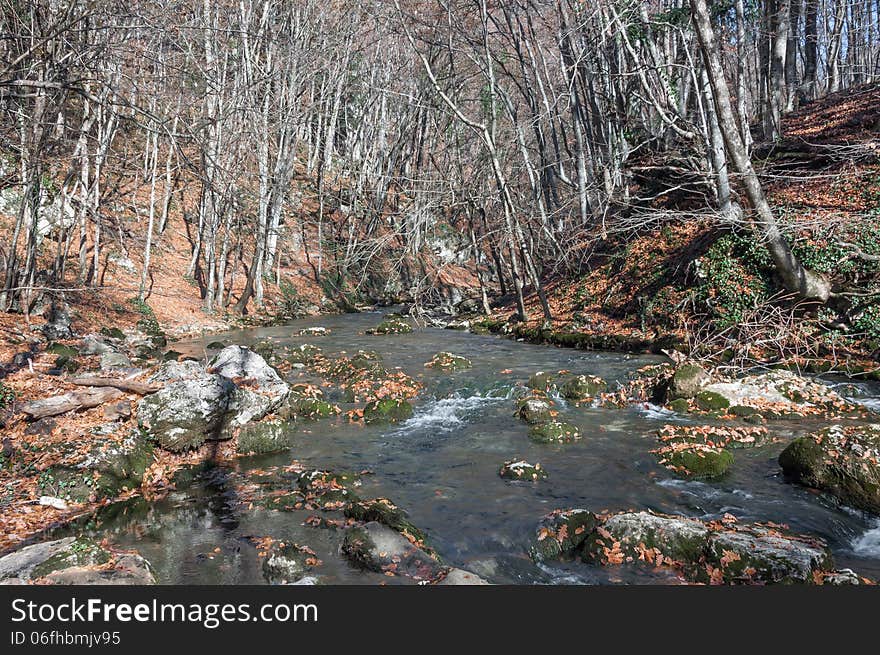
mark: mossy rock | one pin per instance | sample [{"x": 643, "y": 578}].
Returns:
[
  {"x": 268, "y": 436},
  {"x": 305, "y": 353},
  {"x": 215, "y": 345},
  {"x": 387, "y": 410},
  {"x": 312, "y": 408},
  {"x": 522, "y": 470},
  {"x": 676, "y": 538},
  {"x": 113, "y": 333},
  {"x": 391, "y": 326},
  {"x": 291, "y": 502},
  {"x": 742, "y": 411},
  {"x": 286, "y": 563},
  {"x": 106, "y": 470},
  {"x": 582, "y": 387},
  {"x": 328, "y": 490},
  {"x": 554, "y": 432},
  {"x": 711, "y": 401},
  {"x": 62, "y": 351},
  {"x": 680, "y": 406},
  {"x": 543, "y": 381},
  {"x": 81, "y": 552},
  {"x": 699, "y": 463},
  {"x": 687, "y": 380},
  {"x": 385, "y": 512},
  {"x": 561, "y": 533},
  {"x": 171, "y": 355},
  {"x": 445, "y": 361},
  {"x": 265, "y": 349},
  {"x": 840, "y": 460},
  {"x": 66, "y": 364},
  {"x": 534, "y": 410}
]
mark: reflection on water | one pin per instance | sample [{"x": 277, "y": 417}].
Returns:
[{"x": 442, "y": 465}]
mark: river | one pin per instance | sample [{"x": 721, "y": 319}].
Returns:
[{"x": 441, "y": 466}]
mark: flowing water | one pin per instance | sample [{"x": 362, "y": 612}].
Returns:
[{"x": 441, "y": 466}]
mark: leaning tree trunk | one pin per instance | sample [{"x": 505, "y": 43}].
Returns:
[{"x": 795, "y": 277}]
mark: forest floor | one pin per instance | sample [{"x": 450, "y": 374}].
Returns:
[{"x": 638, "y": 295}]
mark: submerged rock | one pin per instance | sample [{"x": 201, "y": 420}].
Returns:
[
  {"x": 376, "y": 547},
  {"x": 554, "y": 432},
  {"x": 288, "y": 563},
  {"x": 391, "y": 326},
  {"x": 522, "y": 470},
  {"x": 267, "y": 436},
  {"x": 460, "y": 577},
  {"x": 695, "y": 461},
  {"x": 445, "y": 361},
  {"x": 842, "y": 461},
  {"x": 581, "y": 388},
  {"x": 387, "y": 410}
]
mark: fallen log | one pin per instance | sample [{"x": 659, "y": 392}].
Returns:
[
  {"x": 69, "y": 402},
  {"x": 126, "y": 385}
]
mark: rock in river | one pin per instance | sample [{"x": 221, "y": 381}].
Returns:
[
  {"x": 843, "y": 461},
  {"x": 376, "y": 547}
]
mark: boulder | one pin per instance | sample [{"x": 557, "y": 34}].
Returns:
[
  {"x": 562, "y": 532},
  {"x": 695, "y": 461},
  {"x": 93, "y": 344},
  {"x": 687, "y": 381},
  {"x": 113, "y": 359},
  {"x": 761, "y": 554},
  {"x": 262, "y": 437},
  {"x": 382, "y": 510},
  {"x": 581, "y": 388},
  {"x": 843, "y": 461},
  {"x": 387, "y": 410},
  {"x": 631, "y": 534},
  {"x": 391, "y": 326},
  {"x": 376, "y": 547},
  {"x": 58, "y": 321},
  {"x": 108, "y": 467},
  {"x": 20, "y": 564},
  {"x": 445, "y": 361},
  {"x": 186, "y": 413},
  {"x": 258, "y": 389},
  {"x": 126, "y": 569},
  {"x": 534, "y": 410},
  {"x": 460, "y": 577},
  {"x": 288, "y": 563}
]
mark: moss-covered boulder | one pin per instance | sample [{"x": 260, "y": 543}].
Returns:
[
  {"x": 109, "y": 467},
  {"x": 62, "y": 351},
  {"x": 328, "y": 490},
  {"x": 695, "y": 461},
  {"x": 266, "y": 436},
  {"x": 305, "y": 354},
  {"x": 376, "y": 547},
  {"x": 311, "y": 408},
  {"x": 286, "y": 563},
  {"x": 387, "y": 410},
  {"x": 543, "y": 381},
  {"x": 216, "y": 345},
  {"x": 711, "y": 401},
  {"x": 636, "y": 535},
  {"x": 680, "y": 406},
  {"x": 687, "y": 381},
  {"x": 843, "y": 461},
  {"x": 534, "y": 410},
  {"x": 522, "y": 470},
  {"x": 445, "y": 361},
  {"x": 582, "y": 388},
  {"x": 82, "y": 551},
  {"x": 554, "y": 432},
  {"x": 761, "y": 554},
  {"x": 387, "y": 513},
  {"x": 391, "y": 326},
  {"x": 561, "y": 533}
]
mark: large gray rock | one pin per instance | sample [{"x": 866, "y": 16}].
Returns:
[
  {"x": 94, "y": 344},
  {"x": 687, "y": 381},
  {"x": 460, "y": 577},
  {"x": 376, "y": 547},
  {"x": 17, "y": 567},
  {"x": 58, "y": 323},
  {"x": 198, "y": 404},
  {"x": 757, "y": 553},
  {"x": 679, "y": 539},
  {"x": 259, "y": 388},
  {"x": 186, "y": 413}
]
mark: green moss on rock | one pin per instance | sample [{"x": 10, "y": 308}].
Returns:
[
  {"x": 387, "y": 410},
  {"x": 711, "y": 401},
  {"x": 554, "y": 432}
]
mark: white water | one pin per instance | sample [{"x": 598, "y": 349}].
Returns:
[
  {"x": 446, "y": 414},
  {"x": 868, "y": 544}
]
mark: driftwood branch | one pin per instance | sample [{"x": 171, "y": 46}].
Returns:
[
  {"x": 68, "y": 402},
  {"x": 126, "y": 385}
]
